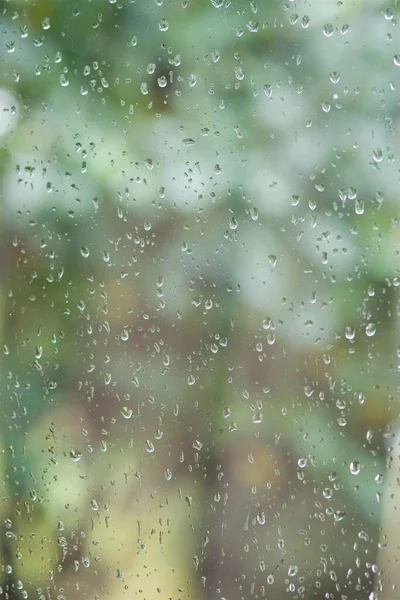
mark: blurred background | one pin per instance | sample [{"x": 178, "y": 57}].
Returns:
[{"x": 199, "y": 299}]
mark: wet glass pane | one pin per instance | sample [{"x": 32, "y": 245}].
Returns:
[{"x": 199, "y": 311}]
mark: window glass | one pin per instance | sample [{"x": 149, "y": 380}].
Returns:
[{"x": 199, "y": 299}]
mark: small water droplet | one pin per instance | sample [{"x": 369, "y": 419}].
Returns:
[
  {"x": 226, "y": 412},
  {"x": 370, "y": 329},
  {"x": 163, "y": 25},
  {"x": 359, "y": 207},
  {"x": 339, "y": 515},
  {"x": 334, "y": 77},
  {"x": 162, "y": 81},
  {"x": 254, "y": 213},
  {"x": 233, "y": 224},
  {"x": 328, "y": 29},
  {"x": 355, "y": 467},
  {"x": 75, "y": 455},
  {"x": 258, "y": 417},
  {"x": 197, "y": 445},
  {"x": 149, "y": 447},
  {"x": 261, "y": 520},
  {"x": 396, "y": 60},
  {"x": 268, "y": 90},
  {"x": 377, "y": 155},
  {"x": 272, "y": 259},
  {"x": 126, "y": 412},
  {"x": 192, "y": 80}
]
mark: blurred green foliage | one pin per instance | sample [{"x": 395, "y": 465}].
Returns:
[{"x": 199, "y": 307}]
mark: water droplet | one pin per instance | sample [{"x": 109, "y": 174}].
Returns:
[
  {"x": 396, "y": 60},
  {"x": 233, "y": 224},
  {"x": 188, "y": 142},
  {"x": 46, "y": 23},
  {"x": 261, "y": 520},
  {"x": 62, "y": 542},
  {"x": 258, "y": 417},
  {"x": 355, "y": 467},
  {"x": 350, "y": 332},
  {"x": 359, "y": 207},
  {"x": 64, "y": 81},
  {"x": 339, "y": 515},
  {"x": 239, "y": 72},
  {"x": 149, "y": 447},
  {"x": 197, "y": 445},
  {"x": 84, "y": 251},
  {"x": 162, "y": 81},
  {"x": 226, "y": 412},
  {"x": 293, "y": 570},
  {"x": 252, "y": 26},
  {"x": 335, "y": 77},
  {"x": 163, "y": 25},
  {"x": 370, "y": 329},
  {"x": 217, "y": 3},
  {"x": 254, "y": 213},
  {"x": 94, "y": 504},
  {"x": 272, "y": 259},
  {"x": 268, "y": 90},
  {"x": 361, "y": 398},
  {"x": 75, "y": 455},
  {"x": 191, "y": 379},
  {"x": 192, "y": 80},
  {"x": 377, "y": 155},
  {"x": 126, "y": 412},
  {"x": 208, "y": 304},
  {"x": 328, "y": 29}
]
